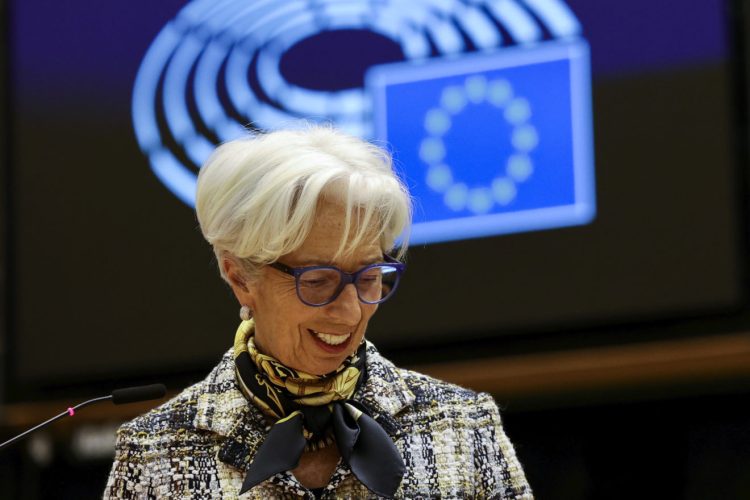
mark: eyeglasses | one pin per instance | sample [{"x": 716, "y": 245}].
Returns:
[{"x": 321, "y": 285}]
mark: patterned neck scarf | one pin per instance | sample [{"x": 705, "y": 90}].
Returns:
[{"x": 311, "y": 412}]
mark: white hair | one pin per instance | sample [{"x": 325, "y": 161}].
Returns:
[{"x": 257, "y": 196}]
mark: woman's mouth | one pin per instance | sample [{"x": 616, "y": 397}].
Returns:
[{"x": 331, "y": 342}]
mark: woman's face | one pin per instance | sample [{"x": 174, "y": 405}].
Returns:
[{"x": 312, "y": 339}]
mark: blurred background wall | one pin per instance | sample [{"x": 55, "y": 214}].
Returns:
[{"x": 612, "y": 328}]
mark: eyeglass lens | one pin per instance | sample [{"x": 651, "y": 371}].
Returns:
[{"x": 318, "y": 286}]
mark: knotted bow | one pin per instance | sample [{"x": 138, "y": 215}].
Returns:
[{"x": 311, "y": 411}]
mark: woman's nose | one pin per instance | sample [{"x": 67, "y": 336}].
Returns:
[{"x": 346, "y": 308}]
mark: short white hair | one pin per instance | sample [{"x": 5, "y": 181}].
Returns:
[{"x": 257, "y": 196}]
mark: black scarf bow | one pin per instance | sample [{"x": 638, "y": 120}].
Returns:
[{"x": 364, "y": 445}]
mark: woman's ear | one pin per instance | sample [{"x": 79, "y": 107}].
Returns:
[{"x": 237, "y": 281}]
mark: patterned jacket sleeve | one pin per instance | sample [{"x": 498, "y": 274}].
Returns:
[
  {"x": 130, "y": 477},
  {"x": 499, "y": 473}
]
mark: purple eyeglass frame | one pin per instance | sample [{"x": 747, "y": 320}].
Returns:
[{"x": 346, "y": 278}]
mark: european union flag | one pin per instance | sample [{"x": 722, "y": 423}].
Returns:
[{"x": 491, "y": 143}]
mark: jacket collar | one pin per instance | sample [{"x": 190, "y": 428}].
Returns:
[{"x": 224, "y": 410}]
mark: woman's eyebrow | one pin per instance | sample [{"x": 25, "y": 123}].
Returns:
[
  {"x": 315, "y": 261},
  {"x": 371, "y": 260},
  {"x": 311, "y": 262}
]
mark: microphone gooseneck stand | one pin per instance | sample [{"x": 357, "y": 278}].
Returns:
[{"x": 120, "y": 396}]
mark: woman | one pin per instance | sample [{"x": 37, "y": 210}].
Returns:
[{"x": 302, "y": 224}]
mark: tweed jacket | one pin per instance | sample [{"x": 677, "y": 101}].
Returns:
[{"x": 199, "y": 444}]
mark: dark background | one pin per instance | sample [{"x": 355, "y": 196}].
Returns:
[
  {"x": 107, "y": 280},
  {"x": 128, "y": 285}
]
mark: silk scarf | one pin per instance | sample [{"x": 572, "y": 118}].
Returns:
[{"x": 311, "y": 412}]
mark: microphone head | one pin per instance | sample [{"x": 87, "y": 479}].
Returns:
[{"x": 140, "y": 393}]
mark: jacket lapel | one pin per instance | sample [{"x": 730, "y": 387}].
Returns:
[
  {"x": 222, "y": 409},
  {"x": 385, "y": 393}
]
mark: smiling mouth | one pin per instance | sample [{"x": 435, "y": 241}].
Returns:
[{"x": 330, "y": 339}]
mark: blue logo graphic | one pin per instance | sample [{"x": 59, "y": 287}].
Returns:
[
  {"x": 214, "y": 73},
  {"x": 492, "y": 144}
]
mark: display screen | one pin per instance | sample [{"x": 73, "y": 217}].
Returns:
[{"x": 110, "y": 274}]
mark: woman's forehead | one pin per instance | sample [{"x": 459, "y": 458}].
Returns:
[
  {"x": 324, "y": 240},
  {"x": 321, "y": 252}
]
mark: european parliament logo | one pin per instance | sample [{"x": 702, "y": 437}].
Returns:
[{"x": 487, "y": 112}]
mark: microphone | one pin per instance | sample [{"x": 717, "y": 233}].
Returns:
[
  {"x": 118, "y": 397},
  {"x": 139, "y": 393}
]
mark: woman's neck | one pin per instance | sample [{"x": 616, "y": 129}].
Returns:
[{"x": 316, "y": 467}]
